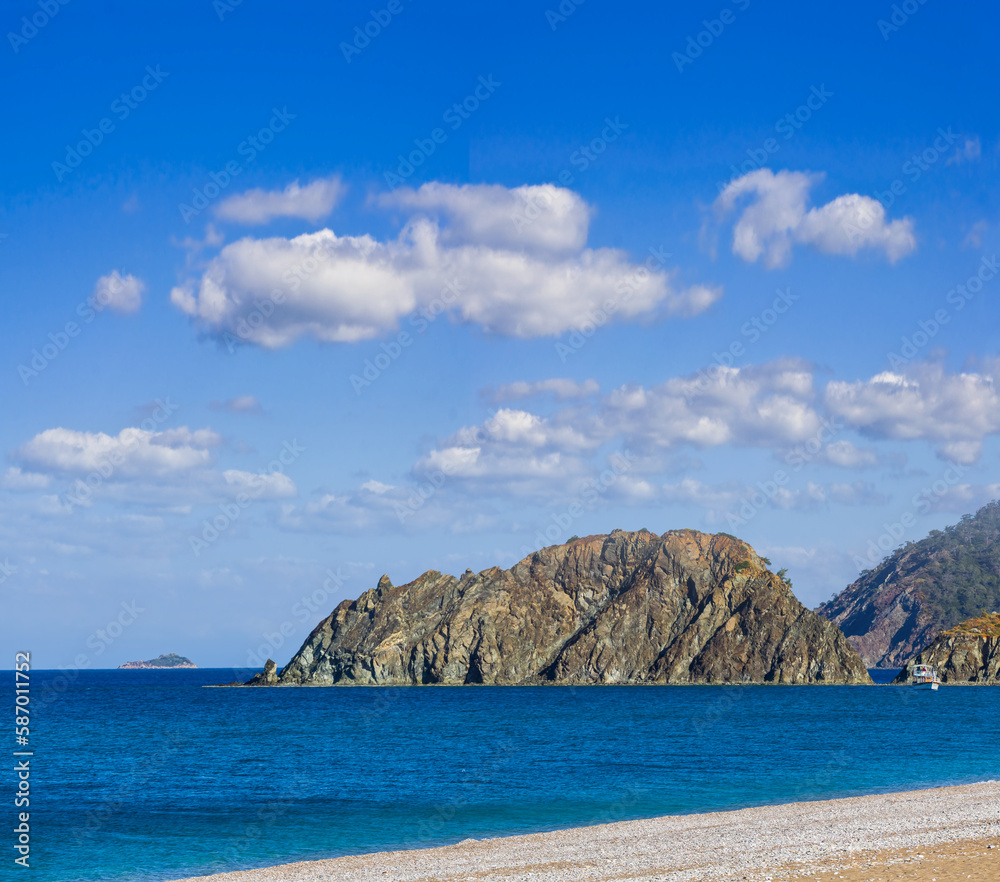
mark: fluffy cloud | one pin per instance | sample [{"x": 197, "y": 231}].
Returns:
[
  {"x": 15, "y": 479},
  {"x": 778, "y": 216},
  {"x": 542, "y": 218},
  {"x": 525, "y": 453},
  {"x": 121, "y": 294},
  {"x": 311, "y": 202},
  {"x": 132, "y": 452},
  {"x": 847, "y": 455},
  {"x": 171, "y": 470},
  {"x": 954, "y": 410},
  {"x": 763, "y": 405},
  {"x": 461, "y": 253},
  {"x": 274, "y": 485},
  {"x": 562, "y": 389}
]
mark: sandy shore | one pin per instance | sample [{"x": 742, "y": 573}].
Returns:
[{"x": 944, "y": 834}]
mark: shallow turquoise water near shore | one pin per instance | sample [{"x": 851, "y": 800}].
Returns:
[{"x": 144, "y": 775}]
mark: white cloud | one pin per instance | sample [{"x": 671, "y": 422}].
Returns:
[
  {"x": 121, "y": 294},
  {"x": 15, "y": 479},
  {"x": 847, "y": 455},
  {"x": 955, "y": 410},
  {"x": 741, "y": 501},
  {"x": 562, "y": 389},
  {"x": 274, "y": 485},
  {"x": 970, "y": 151},
  {"x": 462, "y": 255},
  {"x": 133, "y": 452},
  {"x": 377, "y": 487},
  {"x": 962, "y": 498},
  {"x": 778, "y": 217},
  {"x": 974, "y": 238},
  {"x": 530, "y": 218},
  {"x": 311, "y": 202},
  {"x": 240, "y": 404},
  {"x": 764, "y": 405}
]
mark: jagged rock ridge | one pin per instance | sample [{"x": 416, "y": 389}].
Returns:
[
  {"x": 686, "y": 607},
  {"x": 900, "y": 606},
  {"x": 968, "y": 653}
]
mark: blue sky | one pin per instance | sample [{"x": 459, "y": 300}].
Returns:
[{"x": 290, "y": 305}]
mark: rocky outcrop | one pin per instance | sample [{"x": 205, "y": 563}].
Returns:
[
  {"x": 968, "y": 653},
  {"x": 170, "y": 660},
  {"x": 921, "y": 589},
  {"x": 685, "y": 607},
  {"x": 267, "y": 677}
]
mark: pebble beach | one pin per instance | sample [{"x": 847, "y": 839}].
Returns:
[{"x": 934, "y": 835}]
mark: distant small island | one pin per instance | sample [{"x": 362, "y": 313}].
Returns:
[{"x": 170, "y": 660}]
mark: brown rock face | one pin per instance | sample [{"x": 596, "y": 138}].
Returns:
[
  {"x": 684, "y": 607},
  {"x": 968, "y": 653},
  {"x": 882, "y": 614}
]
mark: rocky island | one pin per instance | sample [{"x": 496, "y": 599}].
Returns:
[
  {"x": 170, "y": 660},
  {"x": 629, "y": 607},
  {"x": 967, "y": 653}
]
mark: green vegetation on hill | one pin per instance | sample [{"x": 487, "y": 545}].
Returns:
[
  {"x": 959, "y": 567},
  {"x": 170, "y": 660},
  {"x": 962, "y": 569}
]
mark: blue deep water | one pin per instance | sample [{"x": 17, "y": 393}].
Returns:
[{"x": 146, "y": 775}]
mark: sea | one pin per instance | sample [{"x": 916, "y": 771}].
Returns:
[{"x": 148, "y": 775}]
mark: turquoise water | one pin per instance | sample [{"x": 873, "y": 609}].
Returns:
[{"x": 144, "y": 775}]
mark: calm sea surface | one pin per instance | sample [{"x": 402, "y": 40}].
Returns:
[{"x": 145, "y": 775}]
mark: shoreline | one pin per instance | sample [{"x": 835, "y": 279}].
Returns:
[{"x": 875, "y": 835}]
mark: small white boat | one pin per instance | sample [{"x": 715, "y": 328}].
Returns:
[{"x": 925, "y": 677}]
